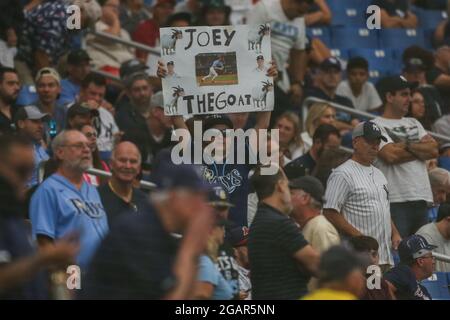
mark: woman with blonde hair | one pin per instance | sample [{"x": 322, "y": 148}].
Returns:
[
  {"x": 210, "y": 282},
  {"x": 319, "y": 113},
  {"x": 291, "y": 143}
]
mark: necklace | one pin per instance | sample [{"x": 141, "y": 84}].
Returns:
[{"x": 127, "y": 198}]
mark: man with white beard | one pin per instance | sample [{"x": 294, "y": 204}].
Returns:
[{"x": 65, "y": 204}]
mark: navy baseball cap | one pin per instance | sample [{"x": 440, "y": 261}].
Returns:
[
  {"x": 368, "y": 130},
  {"x": 414, "y": 247},
  {"x": 237, "y": 236},
  {"x": 218, "y": 197},
  {"x": 216, "y": 119},
  {"x": 330, "y": 63},
  {"x": 167, "y": 175},
  {"x": 310, "y": 185}
]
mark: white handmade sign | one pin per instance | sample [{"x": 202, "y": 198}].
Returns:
[{"x": 216, "y": 69}]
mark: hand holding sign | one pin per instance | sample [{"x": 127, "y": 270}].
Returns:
[{"x": 209, "y": 70}]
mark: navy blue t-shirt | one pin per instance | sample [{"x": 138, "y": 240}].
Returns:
[
  {"x": 235, "y": 181},
  {"x": 407, "y": 286},
  {"x": 14, "y": 245},
  {"x": 133, "y": 262}
]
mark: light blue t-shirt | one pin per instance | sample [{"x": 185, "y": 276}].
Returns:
[
  {"x": 40, "y": 154},
  {"x": 208, "y": 272},
  {"x": 58, "y": 208},
  {"x": 69, "y": 92}
]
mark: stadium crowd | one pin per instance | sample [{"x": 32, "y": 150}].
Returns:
[{"x": 351, "y": 197}]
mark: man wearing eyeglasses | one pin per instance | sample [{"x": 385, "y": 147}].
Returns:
[
  {"x": 416, "y": 264},
  {"x": 64, "y": 203}
]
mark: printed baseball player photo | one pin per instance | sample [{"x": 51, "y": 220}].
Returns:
[
  {"x": 171, "y": 74},
  {"x": 216, "y": 69},
  {"x": 261, "y": 68}
]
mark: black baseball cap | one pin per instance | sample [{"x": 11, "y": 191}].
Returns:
[
  {"x": 218, "y": 197},
  {"x": 368, "y": 130},
  {"x": 81, "y": 109},
  {"x": 237, "y": 236},
  {"x": 170, "y": 62},
  {"x": 310, "y": 185},
  {"x": 131, "y": 66},
  {"x": 394, "y": 84},
  {"x": 78, "y": 56},
  {"x": 414, "y": 247},
  {"x": 260, "y": 57},
  {"x": 330, "y": 63},
  {"x": 216, "y": 119},
  {"x": 443, "y": 212},
  {"x": 414, "y": 65}
]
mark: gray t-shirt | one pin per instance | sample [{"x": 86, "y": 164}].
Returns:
[
  {"x": 434, "y": 237},
  {"x": 407, "y": 181}
]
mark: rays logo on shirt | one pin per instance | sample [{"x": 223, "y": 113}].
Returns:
[
  {"x": 93, "y": 210},
  {"x": 285, "y": 30},
  {"x": 229, "y": 181}
]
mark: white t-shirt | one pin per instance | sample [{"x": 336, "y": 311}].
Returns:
[
  {"x": 360, "y": 193},
  {"x": 320, "y": 233},
  {"x": 367, "y": 100},
  {"x": 434, "y": 237},
  {"x": 307, "y": 140},
  {"x": 106, "y": 127},
  {"x": 408, "y": 181},
  {"x": 285, "y": 34}
]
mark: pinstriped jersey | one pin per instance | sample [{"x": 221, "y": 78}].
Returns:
[{"x": 360, "y": 193}]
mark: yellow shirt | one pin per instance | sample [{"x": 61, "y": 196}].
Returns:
[{"x": 329, "y": 294}]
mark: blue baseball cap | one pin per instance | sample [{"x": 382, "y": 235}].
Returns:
[
  {"x": 218, "y": 197},
  {"x": 166, "y": 175},
  {"x": 414, "y": 247}
]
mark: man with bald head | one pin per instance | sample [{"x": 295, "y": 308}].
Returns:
[
  {"x": 119, "y": 195},
  {"x": 65, "y": 204}
]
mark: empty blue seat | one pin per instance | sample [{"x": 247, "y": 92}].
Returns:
[
  {"x": 348, "y": 12},
  {"x": 348, "y": 37},
  {"x": 381, "y": 62},
  {"x": 438, "y": 286},
  {"x": 430, "y": 19},
  {"x": 323, "y": 34},
  {"x": 340, "y": 53},
  {"x": 401, "y": 38},
  {"x": 27, "y": 95}
]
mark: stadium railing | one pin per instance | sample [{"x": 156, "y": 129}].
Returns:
[
  {"x": 130, "y": 43},
  {"x": 310, "y": 100}
]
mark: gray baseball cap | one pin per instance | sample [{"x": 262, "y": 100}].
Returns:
[
  {"x": 31, "y": 113},
  {"x": 368, "y": 130}
]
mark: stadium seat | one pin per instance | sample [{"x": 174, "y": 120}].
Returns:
[
  {"x": 342, "y": 54},
  {"x": 429, "y": 36},
  {"x": 323, "y": 34},
  {"x": 438, "y": 286},
  {"x": 27, "y": 95},
  {"x": 347, "y": 37},
  {"x": 348, "y": 12},
  {"x": 397, "y": 38},
  {"x": 430, "y": 19},
  {"x": 381, "y": 62}
]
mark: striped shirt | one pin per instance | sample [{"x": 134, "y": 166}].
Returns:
[{"x": 360, "y": 193}]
